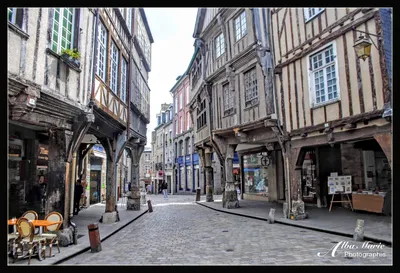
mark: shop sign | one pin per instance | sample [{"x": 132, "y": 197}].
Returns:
[
  {"x": 43, "y": 157},
  {"x": 14, "y": 150}
]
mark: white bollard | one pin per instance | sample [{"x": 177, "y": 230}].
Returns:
[
  {"x": 271, "y": 217},
  {"x": 359, "y": 231}
]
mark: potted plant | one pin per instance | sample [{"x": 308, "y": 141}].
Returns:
[{"x": 71, "y": 56}]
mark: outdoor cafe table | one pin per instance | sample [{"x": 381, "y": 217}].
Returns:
[{"x": 36, "y": 223}]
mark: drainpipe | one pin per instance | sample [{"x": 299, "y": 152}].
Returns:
[
  {"x": 72, "y": 189},
  {"x": 96, "y": 30},
  {"x": 275, "y": 100}
]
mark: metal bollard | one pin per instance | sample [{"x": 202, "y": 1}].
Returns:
[
  {"x": 149, "y": 206},
  {"x": 271, "y": 217},
  {"x": 94, "y": 238},
  {"x": 198, "y": 194},
  {"x": 359, "y": 231}
]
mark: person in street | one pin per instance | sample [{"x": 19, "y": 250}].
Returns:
[
  {"x": 165, "y": 189},
  {"x": 129, "y": 186},
  {"x": 37, "y": 195},
  {"x": 77, "y": 195}
]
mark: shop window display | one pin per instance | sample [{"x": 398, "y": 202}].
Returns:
[
  {"x": 255, "y": 175},
  {"x": 309, "y": 180}
]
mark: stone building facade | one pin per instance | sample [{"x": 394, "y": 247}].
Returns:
[
  {"x": 145, "y": 168},
  {"x": 187, "y": 172}
]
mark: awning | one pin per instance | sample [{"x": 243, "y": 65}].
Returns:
[
  {"x": 98, "y": 154},
  {"x": 245, "y": 147}
]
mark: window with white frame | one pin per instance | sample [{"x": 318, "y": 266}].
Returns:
[
  {"x": 62, "y": 36},
  {"x": 102, "y": 52},
  {"x": 181, "y": 124},
  {"x": 219, "y": 45},
  {"x": 176, "y": 105},
  {"x": 240, "y": 26},
  {"x": 176, "y": 127},
  {"x": 187, "y": 121},
  {"x": 228, "y": 99},
  {"x": 124, "y": 73},
  {"x": 251, "y": 87},
  {"x": 323, "y": 75},
  {"x": 180, "y": 100},
  {"x": 15, "y": 16},
  {"x": 114, "y": 68},
  {"x": 310, "y": 13},
  {"x": 187, "y": 94}
]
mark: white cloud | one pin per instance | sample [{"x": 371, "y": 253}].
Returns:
[{"x": 172, "y": 50}]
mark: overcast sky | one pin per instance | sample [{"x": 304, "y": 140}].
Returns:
[{"x": 172, "y": 50}]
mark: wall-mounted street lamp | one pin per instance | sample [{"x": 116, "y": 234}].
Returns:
[{"x": 363, "y": 44}]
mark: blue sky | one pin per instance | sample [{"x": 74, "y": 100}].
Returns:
[{"x": 172, "y": 50}]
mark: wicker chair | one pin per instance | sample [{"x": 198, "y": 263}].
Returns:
[
  {"x": 12, "y": 243},
  {"x": 30, "y": 215},
  {"x": 26, "y": 231},
  {"x": 51, "y": 232}
]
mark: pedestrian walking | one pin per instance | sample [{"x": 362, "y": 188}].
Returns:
[
  {"x": 165, "y": 189},
  {"x": 77, "y": 195}
]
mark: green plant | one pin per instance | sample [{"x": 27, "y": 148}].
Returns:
[{"x": 74, "y": 53}]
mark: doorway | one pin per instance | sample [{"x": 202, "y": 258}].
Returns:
[{"x": 95, "y": 182}]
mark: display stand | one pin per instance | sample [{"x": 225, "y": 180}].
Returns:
[{"x": 341, "y": 201}]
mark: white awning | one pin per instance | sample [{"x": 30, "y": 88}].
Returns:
[
  {"x": 98, "y": 154},
  {"x": 243, "y": 147}
]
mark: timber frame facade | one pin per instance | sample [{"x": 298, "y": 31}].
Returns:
[
  {"x": 334, "y": 106},
  {"x": 232, "y": 96},
  {"x": 58, "y": 108}
]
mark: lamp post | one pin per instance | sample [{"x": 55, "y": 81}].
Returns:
[
  {"x": 363, "y": 48},
  {"x": 363, "y": 44}
]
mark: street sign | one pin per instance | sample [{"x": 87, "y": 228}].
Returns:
[{"x": 265, "y": 161}]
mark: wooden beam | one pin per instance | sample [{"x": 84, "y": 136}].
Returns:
[
  {"x": 328, "y": 29},
  {"x": 358, "y": 134},
  {"x": 339, "y": 122},
  {"x": 329, "y": 38}
]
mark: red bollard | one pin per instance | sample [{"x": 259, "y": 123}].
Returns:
[
  {"x": 149, "y": 206},
  {"x": 94, "y": 238}
]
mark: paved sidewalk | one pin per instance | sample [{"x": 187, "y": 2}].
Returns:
[
  {"x": 86, "y": 217},
  {"x": 338, "y": 221}
]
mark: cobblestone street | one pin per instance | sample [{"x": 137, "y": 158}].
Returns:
[{"x": 181, "y": 232}]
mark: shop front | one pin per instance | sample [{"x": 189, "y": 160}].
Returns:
[
  {"x": 362, "y": 162},
  {"x": 255, "y": 173},
  {"x": 27, "y": 169}
]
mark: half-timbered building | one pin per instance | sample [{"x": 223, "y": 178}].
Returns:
[
  {"x": 335, "y": 106},
  {"x": 233, "y": 103}
]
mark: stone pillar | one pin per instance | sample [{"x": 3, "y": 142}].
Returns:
[
  {"x": 272, "y": 178},
  {"x": 133, "y": 200},
  {"x": 110, "y": 215},
  {"x": 231, "y": 200},
  {"x": 57, "y": 196},
  {"x": 298, "y": 209},
  {"x": 209, "y": 174}
]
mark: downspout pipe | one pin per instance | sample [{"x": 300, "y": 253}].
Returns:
[
  {"x": 275, "y": 100},
  {"x": 96, "y": 30}
]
